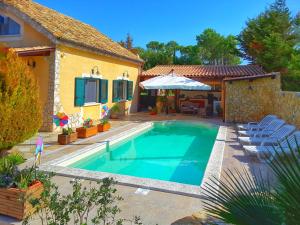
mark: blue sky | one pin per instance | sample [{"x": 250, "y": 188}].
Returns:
[{"x": 163, "y": 20}]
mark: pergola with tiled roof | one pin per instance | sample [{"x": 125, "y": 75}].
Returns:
[
  {"x": 213, "y": 75},
  {"x": 205, "y": 71},
  {"x": 62, "y": 29}
]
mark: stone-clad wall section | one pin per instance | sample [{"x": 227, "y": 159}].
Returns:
[
  {"x": 48, "y": 110},
  {"x": 251, "y": 100}
]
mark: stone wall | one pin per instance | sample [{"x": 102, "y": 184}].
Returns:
[{"x": 251, "y": 99}]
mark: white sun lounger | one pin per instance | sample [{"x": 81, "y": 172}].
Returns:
[
  {"x": 276, "y": 137},
  {"x": 267, "y": 131},
  {"x": 257, "y": 125},
  {"x": 292, "y": 142}
]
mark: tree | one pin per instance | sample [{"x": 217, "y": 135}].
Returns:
[
  {"x": 172, "y": 47},
  {"x": 270, "y": 38},
  {"x": 156, "y": 53},
  {"x": 215, "y": 49},
  {"x": 155, "y": 46},
  {"x": 189, "y": 55},
  {"x": 128, "y": 43},
  {"x": 291, "y": 81},
  {"x": 20, "y": 112}
]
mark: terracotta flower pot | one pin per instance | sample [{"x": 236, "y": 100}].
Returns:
[
  {"x": 67, "y": 139},
  {"x": 114, "y": 116},
  {"x": 103, "y": 127},
  {"x": 14, "y": 201},
  {"x": 86, "y": 132},
  {"x": 172, "y": 111}
]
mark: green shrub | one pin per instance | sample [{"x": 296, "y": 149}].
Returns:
[
  {"x": 16, "y": 158},
  {"x": 104, "y": 121},
  {"x": 115, "y": 108},
  {"x": 20, "y": 112},
  {"x": 54, "y": 207},
  {"x": 290, "y": 82},
  {"x": 67, "y": 131},
  {"x": 10, "y": 176}
]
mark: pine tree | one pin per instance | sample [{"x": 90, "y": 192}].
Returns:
[
  {"x": 270, "y": 38},
  {"x": 129, "y": 42}
]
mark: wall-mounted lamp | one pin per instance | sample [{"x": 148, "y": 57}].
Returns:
[
  {"x": 63, "y": 55},
  {"x": 126, "y": 74},
  {"x": 95, "y": 70},
  {"x": 31, "y": 63}
]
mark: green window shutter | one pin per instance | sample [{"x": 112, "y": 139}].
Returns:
[
  {"x": 129, "y": 90},
  {"x": 103, "y": 91},
  {"x": 79, "y": 91},
  {"x": 115, "y": 91}
]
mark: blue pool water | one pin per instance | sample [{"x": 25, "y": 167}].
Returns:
[{"x": 171, "y": 151}]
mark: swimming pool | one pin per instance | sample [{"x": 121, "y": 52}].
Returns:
[{"x": 174, "y": 151}]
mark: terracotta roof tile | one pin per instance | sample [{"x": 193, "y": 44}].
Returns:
[
  {"x": 67, "y": 29},
  {"x": 205, "y": 71}
]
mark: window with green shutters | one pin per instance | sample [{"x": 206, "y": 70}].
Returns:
[
  {"x": 79, "y": 91},
  {"x": 122, "y": 90},
  {"x": 115, "y": 93},
  {"x": 129, "y": 90},
  {"x": 90, "y": 90},
  {"x": 103, "y": 91}
]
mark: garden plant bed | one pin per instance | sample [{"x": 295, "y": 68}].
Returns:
[
  {"x": 13, "y": 200},
  {"x": 103, "y": 127},
  {"x": 64, "y": 139},
  {"x": 87, "y": 132}
]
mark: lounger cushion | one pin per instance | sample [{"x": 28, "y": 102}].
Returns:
[
  {"x": 255, "y": 150},
  {"x": 246, "y": 126},
  {"x": 252, "y": 149},
  {"x": 250, "y": 133},
  {"x": 257, "y": 140}
]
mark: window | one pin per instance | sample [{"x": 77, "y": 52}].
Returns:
[
  {"x": 90, "y": 90},
  {"x": 8, "y": 26},
  {"x": 122, "y": 90}
]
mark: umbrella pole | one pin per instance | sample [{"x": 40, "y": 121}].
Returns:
[{"x": 167, "y": 109}]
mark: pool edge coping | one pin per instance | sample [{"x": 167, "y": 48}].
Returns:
[{"x": 213, "y": 168}]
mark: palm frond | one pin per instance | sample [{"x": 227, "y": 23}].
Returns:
[
  {"x": 245, "y": 199},
  {"x": 241, "y": 198},
  {"x": 287, "y": 170}
]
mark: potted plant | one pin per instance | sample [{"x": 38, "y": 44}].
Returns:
[
  {"x": 87, "y": 130},
  {"x": 153, "y": 111},
  {"x": 67, "y": 136},
  {"x": 114, "y": 111},
  {"x": 172, "y": 110},
  {"x": 104, "y": 125},
  {"x": 16, "y": 187},
  {"x": 160, "y": 103}
]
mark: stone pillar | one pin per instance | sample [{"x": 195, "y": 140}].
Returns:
[{"x": 52, "y": 105}]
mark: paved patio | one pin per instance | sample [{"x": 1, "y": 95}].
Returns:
[{"x": 156, "y": 207}]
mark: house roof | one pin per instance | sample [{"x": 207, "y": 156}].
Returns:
[
  {"x": 66, "y": 30},
  {"x": 205, "y": 71}
]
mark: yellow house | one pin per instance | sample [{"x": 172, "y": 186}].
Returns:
[{"x": 78, "y": 69}]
